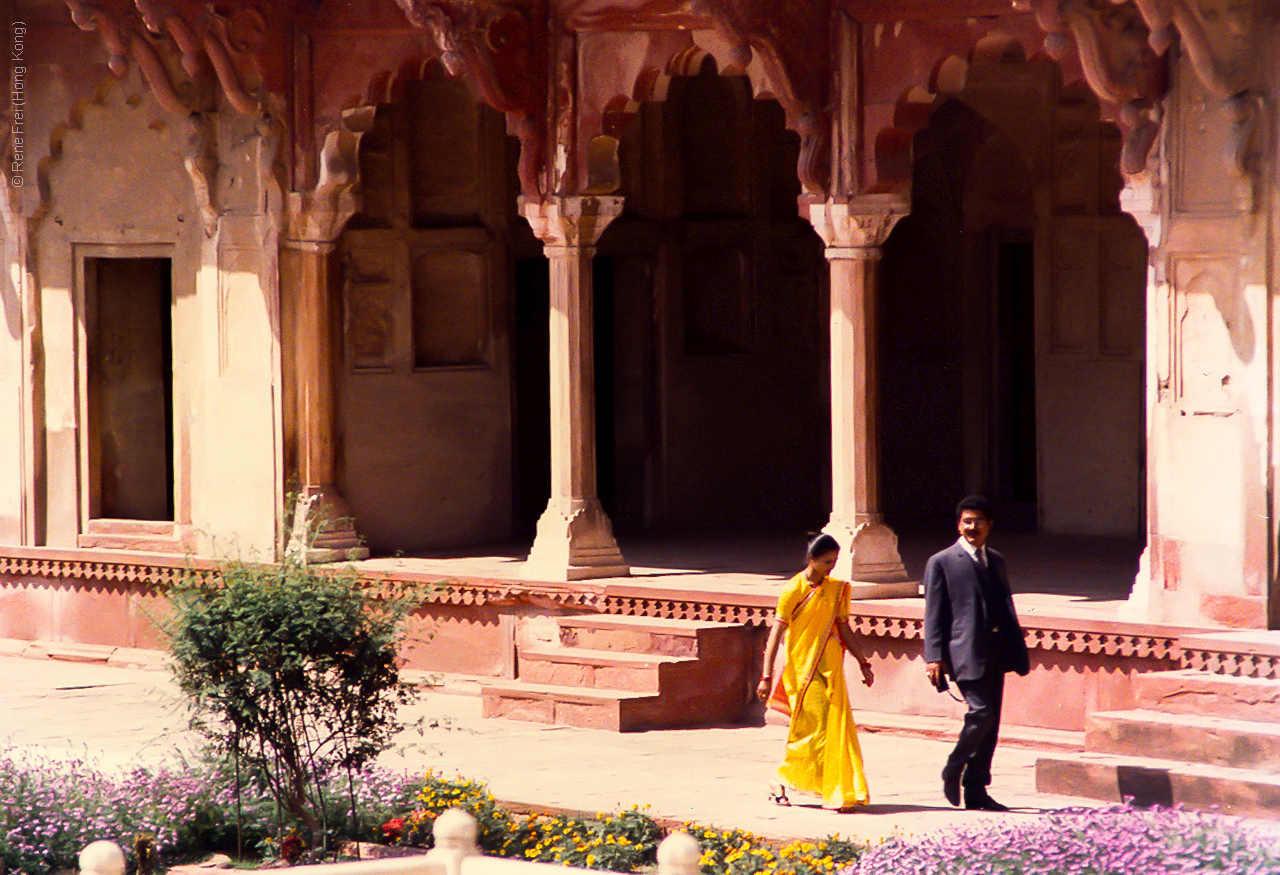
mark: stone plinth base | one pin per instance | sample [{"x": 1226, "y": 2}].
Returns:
[
  {"x": 574, "y": 542},
  {"x": 869, "y": 556},
  {"x": 323, "y": 530}
]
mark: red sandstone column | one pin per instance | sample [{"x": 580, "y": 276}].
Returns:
[
  {"x": 853, "y": 231},
  {"x": 575, "y": 537},
  {"x": 322, "y": 526}
]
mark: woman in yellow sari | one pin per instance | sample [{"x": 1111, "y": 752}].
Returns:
[{"x": 823, "y": 757}]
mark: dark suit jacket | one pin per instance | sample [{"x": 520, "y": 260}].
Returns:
[{"x": 958, "y": 621}]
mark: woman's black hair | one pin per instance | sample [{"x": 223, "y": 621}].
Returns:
[{"x": 820, "y": 544}]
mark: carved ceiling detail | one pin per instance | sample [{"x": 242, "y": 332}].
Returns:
[
  {"x": 494, "y": 43},
  {"x": 1123, "y": 48},
  {"x": 223, "y": 47}
]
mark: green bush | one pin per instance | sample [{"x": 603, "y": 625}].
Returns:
[{"x": 292, "y": 673}]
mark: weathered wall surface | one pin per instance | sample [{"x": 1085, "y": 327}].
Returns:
[
  {"x": 1210, "y": 406},
  {"x": 120, "y": 181}
]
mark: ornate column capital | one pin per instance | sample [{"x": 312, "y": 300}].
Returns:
[
  {"x": 856, "y": 227},
  {"x": 317, "y": 217},
  {"x": 571, "y": 222}
]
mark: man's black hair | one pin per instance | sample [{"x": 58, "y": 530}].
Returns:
[{"x": 975, "y": 502}]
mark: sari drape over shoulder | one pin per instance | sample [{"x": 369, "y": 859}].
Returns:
[{"x": 823, "y": 756}]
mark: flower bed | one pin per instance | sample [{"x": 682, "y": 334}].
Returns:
[
  {"x": 52, "y": 809},
  {"x": 1119, "y": 840},
  {"x": 621, "y": 842}
]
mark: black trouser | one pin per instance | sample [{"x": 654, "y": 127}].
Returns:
[{"x": 977, "y": 743}]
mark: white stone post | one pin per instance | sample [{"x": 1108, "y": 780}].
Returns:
[
  {"x": 455, "y": 833},
  {"x": 575, "y": 537},
  {"x": 102, "y": 858},
  {"x": 679, "y": 854}
]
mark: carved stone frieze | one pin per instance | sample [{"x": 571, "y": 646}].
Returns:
[{"x": 227, "y": 45}]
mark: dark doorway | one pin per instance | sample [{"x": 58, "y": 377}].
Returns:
[
  {"x": 531, "y": 372},
  {"x": 130, "y": 388},
  {"x": 1014, "y": 448},
  {"x": 625, "y": 389}
]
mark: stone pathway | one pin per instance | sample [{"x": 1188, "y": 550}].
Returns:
[{"x": 120, "y": 716}]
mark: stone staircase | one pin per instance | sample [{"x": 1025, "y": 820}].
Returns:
[
  {"x": 629, "y": 674},
  {"x": 1195, "y": 738}
]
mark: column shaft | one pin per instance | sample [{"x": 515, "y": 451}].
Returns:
[
  {"x": 573, "y": 424},
  {"x": 855, "y": 452},
  {"x": 322, "y": 527},
  {"x": 575, "y": 537},
  {"x": 853, "y": 231}
]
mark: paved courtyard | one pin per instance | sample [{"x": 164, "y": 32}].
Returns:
[{"x": 119, "y": 716}]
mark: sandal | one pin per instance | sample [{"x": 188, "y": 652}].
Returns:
[{"x": 778, "y": 796}]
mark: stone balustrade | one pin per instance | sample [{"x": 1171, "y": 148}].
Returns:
[{"x": 455, "y": 853}]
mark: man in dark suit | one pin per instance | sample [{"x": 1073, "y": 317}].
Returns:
[{"x": 971, "y": 633}]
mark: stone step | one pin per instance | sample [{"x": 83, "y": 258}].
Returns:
[
  {"x": 571, "y": 706},
  {"x": 177, "y": 546},
  {"x": 130, "y": 527},
  {"x": 607, "y": 669},
  {"x": 1190, "y": 738},
  {"x": 654, "y": 635},
  {"x": 1189, "y": 691},
  {"x": 1160, "y": 782}
]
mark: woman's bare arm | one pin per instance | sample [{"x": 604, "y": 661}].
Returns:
[
  {"x": 852, "y": 644},
  {"x": 770, "y": 653}
]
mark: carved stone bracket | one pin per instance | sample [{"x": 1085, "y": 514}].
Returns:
[
  {"x": 226, "y": 44},
  {"x": 319, "y": 215},
  {"x": 200, "y": 160},
  {"x": 493, "y": 43},
  {"x": 1113, "y": 43},
  {"x": 1108, "y": 36},
  {"x": 786, "y": 47}
]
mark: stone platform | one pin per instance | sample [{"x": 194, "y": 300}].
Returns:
[{"x": 479, "y": 613}]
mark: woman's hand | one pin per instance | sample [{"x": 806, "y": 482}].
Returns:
[
  {"x": 764, "y": 687},
  {"x": 868, "y": 676}
]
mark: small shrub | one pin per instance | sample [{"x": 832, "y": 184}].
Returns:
[{"x": 291, "y": 672}]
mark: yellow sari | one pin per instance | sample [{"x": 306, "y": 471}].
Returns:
[{"x": 823, "y": 756}]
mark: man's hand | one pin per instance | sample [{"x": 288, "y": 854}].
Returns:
[
  {"x": 937, "y": 674},
  {"x": 764, "y": 687},
  {"x": 868, "y": 676}
]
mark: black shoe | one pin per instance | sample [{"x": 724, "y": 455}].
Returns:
[
  {"x": 951, "y": 783},
  {"x": 978, "y": 800}
]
